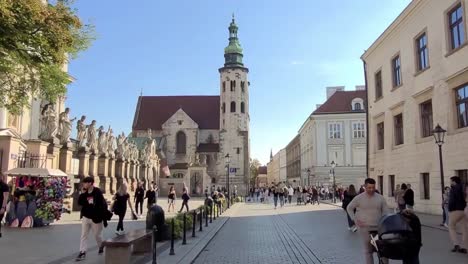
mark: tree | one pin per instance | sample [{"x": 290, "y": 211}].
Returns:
[
  {"x": 36, "y": 41},
  {"x": 254, "y": 164}
]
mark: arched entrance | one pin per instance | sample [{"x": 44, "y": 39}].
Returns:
[{"x": 196, "y": 183}]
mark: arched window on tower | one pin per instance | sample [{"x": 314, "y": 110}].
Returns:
[
  {"x": 224, "y": 108},
  {"x": 233, "y": 86},
  {"x": 181, "y": 142},
  {"x": 243, "y": 86},
  {"x": 224, "y": 86},
  {"x": 242, "y": 107},
  {"x": 233, "y": 107}
]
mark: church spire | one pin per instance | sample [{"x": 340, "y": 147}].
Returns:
[
  {"x": 233, "y": 52},
  {"x": 271, "y": 154}
]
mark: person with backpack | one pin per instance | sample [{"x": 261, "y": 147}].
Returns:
[
  {"x": 121, "y": 199},
  {"x": 185, "y": 199},
  {"x": 348, "y": 196},
  {"x": 93, "y": 206},
  {"x": 456, "y": 207},
  {"x": 4, "y": 193}
]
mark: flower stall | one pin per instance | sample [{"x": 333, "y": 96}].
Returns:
[{"x": 38, "y": 196}]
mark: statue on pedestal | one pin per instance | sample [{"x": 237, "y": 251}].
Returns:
[
  {"x": 49, "y": 123},
  {"x": 102, "y": 141},
  {"x": 110, "y": 143},
  {"x": 65, "y": 126},
  {"x": 81, "y": 131},
  {"x": 92, "y": 142}
]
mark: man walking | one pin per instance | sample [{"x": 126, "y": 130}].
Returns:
[
  {"x": 92, "y": 205},
  {"x": 139, "y": 197},
  {"x": 4, "y": 192},
  {"x": 456, "y": 205},
  {"x": 408, "y": 196},
  {"x": 290, "y": 193},
  {"x": 370, "y": 207}
]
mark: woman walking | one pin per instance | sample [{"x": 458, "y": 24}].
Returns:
[
  {"x": 121, "y": 199},
  {"x": 171, "y": 199},
  {"x": 151, "y": 196},
  {"x": 275, "y": 196},
  {"x": 348, "y": 196},
  {"x": 185, "y": 199}
]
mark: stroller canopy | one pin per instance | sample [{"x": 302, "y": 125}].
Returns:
[{"x": 393, "y": 223}]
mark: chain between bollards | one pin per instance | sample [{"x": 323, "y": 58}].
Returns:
[
  {"x": 194, "y": 222},
  {"x": 184, "y": 239},
  {"x": 172, "y": 238},
  {"x": 154, "y": 240}
]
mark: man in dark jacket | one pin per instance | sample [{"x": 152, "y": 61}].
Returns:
[
  {"x": 139, "y": 197},
  {"x": 93, "y": 207},
  {"x": 456, "y": 205},
  {"x": 409, "y": 197}
]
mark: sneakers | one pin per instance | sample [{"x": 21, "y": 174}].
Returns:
[
  {"x": 462, "y": 250},
  {"x": 101, "y": 250},
  {"x": 354, "y": 229},
  {"x": 456, "y": 248},
  {"x": 120, "y": 233},
  {"x": 81, "y": 256}
]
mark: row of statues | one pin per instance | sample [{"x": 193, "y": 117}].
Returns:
[{"x": 97, "y": 140}]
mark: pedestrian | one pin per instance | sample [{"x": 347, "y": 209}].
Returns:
[
  {"x": 445, "y": 202},
  {"x": 315, "y": 196},
  {"x": 4, "y": 193},
  {"x": 151, "y": 197},
  {"x": 399, "y": 197},
  {"x": 290, "y": 193},
  {"x": 156, "y": 193},
  {"x": 348, "y": 196},
  {"x": 171, "y": 199},
  {"x": 185, "y": 199},
  {"x": 365, "y": 210},
  {"x": 409, "y": 197},
  {"x": 93, "y": 205},
  {"x": 121, "y": 199},
  {"x": 281, "y": 196},
  {"x": 456, "y": 207},
  {"x": 275, "y": 197},
  {"x": 139, "y": 197},
  {"x": 257, "y": 194},
  {"x": 415, "y": 225}
]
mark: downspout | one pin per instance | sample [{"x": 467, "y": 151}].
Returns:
[{"x": 367, "y": 117}]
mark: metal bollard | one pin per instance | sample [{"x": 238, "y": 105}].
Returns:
[
  {"x": 217, "y": 211},
  {"x": 206, "y": 217},
  {"x": 154, "y": 240},
  {"x": 172, "y": 238},
  {"x": 201, "y": 220},
  {"x": 184, "y": 239},
  {"x": 194, "y": 222},
  {"x": 211, "y": 214},
  {"x": 214, "y": 211}
]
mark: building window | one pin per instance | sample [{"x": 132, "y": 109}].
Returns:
[
  {"x": 423, "y": 53},
  {"x": 425, "y": 186},
  {"x": 224, "y": 108},
  {"x": 181, "y": 142},
  {"x": 242, "y": 107},
  {"x": 396, "y": 71},
  {"x": 456, "y": 26},
  {"x": 359, "y": 130},
  {"x": 426, "y": 118},
  {"x": 233, "y": 86},
  {"x": 380, "y": 183},
  {"x": 357, "y": 106},
  {"x": 233, "y": 107},
  {"x": 398, "y": 122},
  {"x": 243, "y": 86},
  {"x": 224, "y": 86},
  {"x": 462, "y": 105},
  {"x": 380, "y": 135},
  {"x": 378, "y": 85},
  {"x": 178, "y": 175},
  {"x": 463, "y": 174},
  {"x": 334, "y": 130},
  {"x": 391, "y": 185}
]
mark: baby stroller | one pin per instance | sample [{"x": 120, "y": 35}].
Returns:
[{"x": 398, "y": 237}]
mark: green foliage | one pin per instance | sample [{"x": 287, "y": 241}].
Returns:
[
  {"x": 36, "y": 41},
  {"x": 179, "y": 224}
]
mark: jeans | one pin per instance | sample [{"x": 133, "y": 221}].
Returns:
[
  {"x": 281, "y": 201},
  {"x": 289, "y": 198},
  {"x": 120, "y": 224},
  {"x": 275, "y": 200},
  {"x": 139, "y": 202},
  {"x": 350, "y": 221},
  {"x": 446, "y": 214},
  {"x": 86, "y": 226}
]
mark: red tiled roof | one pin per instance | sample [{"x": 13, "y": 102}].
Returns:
[
  {"x": 262, "y": 170},
  {"x": 208, "y": 147},
  {"x": 340, "y": 102},
  {"x": 153, "y": 111}
]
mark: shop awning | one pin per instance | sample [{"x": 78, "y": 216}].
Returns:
[{"x": 36, "y": 172}]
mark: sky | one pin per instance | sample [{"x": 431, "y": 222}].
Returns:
[{"x": 293, "y": 49}]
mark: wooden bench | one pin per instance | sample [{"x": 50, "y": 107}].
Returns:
[{"x": 119, "y": 249}]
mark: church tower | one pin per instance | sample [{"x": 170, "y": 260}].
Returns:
[{"x": 234, "y": 114}]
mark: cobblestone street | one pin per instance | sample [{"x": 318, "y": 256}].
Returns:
[{"x": 304, "y": 234}]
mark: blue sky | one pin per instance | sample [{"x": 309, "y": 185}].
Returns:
[{"x": 293, "y": 49}]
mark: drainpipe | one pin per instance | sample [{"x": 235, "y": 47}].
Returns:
[{"x": 367, "y": 117}]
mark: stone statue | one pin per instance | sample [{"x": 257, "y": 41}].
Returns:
[
  {"x": 49, "y": 123},
  {"x": 149, "y": 133},
  {"x": 92, "y": 142},
  {"x": 81, "y": 131},
  {"x": 110, "y": 143},
  {"x": 120, "y": 145},
  {"x": 102, "y": 141},
  {"x": 65, "y": 126}
]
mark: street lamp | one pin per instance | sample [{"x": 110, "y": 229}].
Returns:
[
  {"x": 308, "y": 177},
  {"x": 333, "y": 165},
  {"x": 227, "y": 159},
  {"x": 439, "y": 136}
]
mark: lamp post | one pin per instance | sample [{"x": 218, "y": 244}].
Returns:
[
  {"x": 333, "y": 165},
  {"x": 308, "y": 177},
  {"x": 227, "y": 159},
  {"x": 439, "y": 136}
]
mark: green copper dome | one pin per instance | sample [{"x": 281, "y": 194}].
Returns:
[{"x": 233, "y": 52}]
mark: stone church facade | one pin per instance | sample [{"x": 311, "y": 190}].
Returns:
[{"x": 194, "y": 134}]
